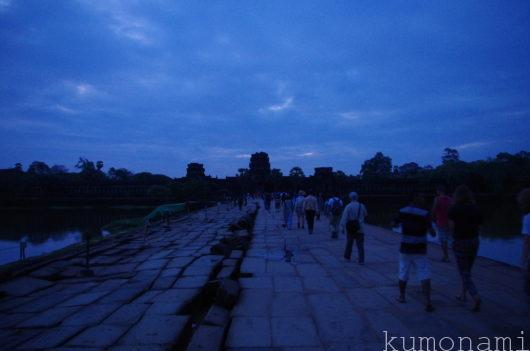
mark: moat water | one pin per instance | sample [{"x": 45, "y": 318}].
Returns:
[{"x": 47, "y": 230}]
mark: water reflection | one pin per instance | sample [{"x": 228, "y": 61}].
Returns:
[
  {"x": 500, "y": 236},
  {"x": 47, "y": 230}
]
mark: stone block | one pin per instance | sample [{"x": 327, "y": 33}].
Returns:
[
  {"x": 24, "y": 286},
  {"x": 320, "y": 284},
  {"x": 163, "y": 283},
  {"x": 226, "y": 272},
  {"x": 49, "y": 318},
  {"x": 90, "y": 315},
  {"x": 99, "y": 336},
  {"x": 125, "y": 294},
  {"x": 127, "y": 314},
  {"x": 51, "y": 338},
  {"x": 109, "y": 285},
  {"x": 249, "y": 332},
  {"x": 335, "y": 318},
  {"x": 290, "y": 332},
  {"x": 83, "y": 299},
  {"x": 191, "y": 282},
  {"x": 289, "y": 305},
  {"x": 227, "y": 293},
  {"x": 366, "y": 298},
  {"x": 279, "y": 268},
  {"x": 264, "y": 282},
  {"x": 207, "y": 338},
  {"x": 179, "y": 262},
  {"x": 288, "y": 284},
  {"x": 152, "y": 264},
  {"x": 229, "y": 262},
  {"x": 236, "y": 254},
  {"x": 254, "y": 303},
  {"x": 217, "y": 315},
  {"x": 311, "y": 270},
  {"x": 253, "y": 265},
  {"x": 147, "y": 296},
  {"x": 154, "y": 329}
]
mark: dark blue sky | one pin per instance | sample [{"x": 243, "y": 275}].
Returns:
[{"x": 155, "y": 85}]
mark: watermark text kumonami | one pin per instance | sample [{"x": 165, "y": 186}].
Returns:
[{"x": 459, "y": 343}]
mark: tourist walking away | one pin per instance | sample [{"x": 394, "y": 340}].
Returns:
[
  {"x": 352, "y": 222},
  {"x": 464, "y": 221},
  {"x": 320, "y": 207},
  {"x": 334, "y": 209},
  {"x": 288, "y": 209},
  {"x": 415, "y": 222},
  {"x": 299, "y": 208},
  {"x": 439, "y": 213},
  {"x": 524, "y": 201},
  {"x": 267, "y": 201},
  {"x": 310, "y": 211},
  {"x": 277, "y": 201}
]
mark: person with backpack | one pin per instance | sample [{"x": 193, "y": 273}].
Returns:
[
  {"x": 334, "y": 209},
  {"x": 352, "y": 222},
  {"x": 415, "y": 222},
  {"x": 310, "y": 206}
]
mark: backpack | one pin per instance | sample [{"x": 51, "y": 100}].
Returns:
[
  {"x": 336, "y": 207},
  {"x": 354, "y": 225}
]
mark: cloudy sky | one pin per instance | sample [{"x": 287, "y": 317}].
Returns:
[{"x": 153, "y": 85}]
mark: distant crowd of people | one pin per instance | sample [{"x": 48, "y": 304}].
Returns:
[{"x": 454, "y": 220}]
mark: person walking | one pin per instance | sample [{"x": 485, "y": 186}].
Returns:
[
  {"x": 439, "y": 213},
  {"x": 352, "y": 222},
  {"x": 524, "y": 202},
  {"x": 288, "y": 209},
  {"x": 310, "y": 206},
  {"x": 333, "y": 208},
  {"x": 320, "y": 207},
  {"x": 465, "y": 220},
  {"x": 267, "y": 199},
  {"x": 415, "y": 222},
  {"x": 299, "y": 208}
]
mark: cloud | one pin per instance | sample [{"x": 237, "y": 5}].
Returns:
[
  {"x": 64, "y": 109},
  {"x": 350, "y": 115},
  {"x": 243, "y": 156},
  {"x": 287, "y": 103},
  {"x": 5, "y": 5},
  {"x": 471, "y": 145},
  {"x": 307, "y": 154},
  {"x": 122, "y": 23},
  {"x": 83, "y": 89}
]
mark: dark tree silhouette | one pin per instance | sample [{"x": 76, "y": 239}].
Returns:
[
  {"x": 450, "y": 155},
  {"x": 378, "y": 166},
  {"x": 296, "y": 172},
  {"x": 39, "y": 168},
  {"x": 408, "y": 169}
]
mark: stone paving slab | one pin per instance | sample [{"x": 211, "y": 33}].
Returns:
[
  {"x": 320, "y": 301},
  {"x": 135, "y": 299}
]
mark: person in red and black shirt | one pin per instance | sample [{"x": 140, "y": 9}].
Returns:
[
  {"x": 415, "y": 223},
  {"x": 439, "y": 213}
]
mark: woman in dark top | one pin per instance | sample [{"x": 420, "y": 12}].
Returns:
[{"x": 464, "y": 221}]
